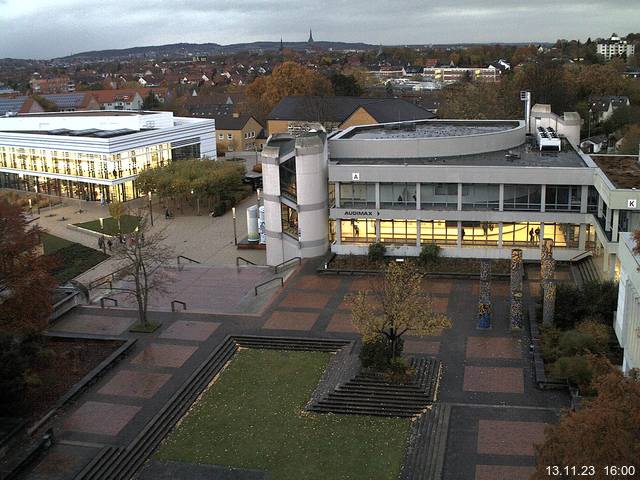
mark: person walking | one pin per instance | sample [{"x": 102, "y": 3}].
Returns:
[
  {"x": 531, "y": 236},
  {"x": 537, "y": 232},
  {"x": 101, "y": 244},
  {"x": 110, "y": 245}
]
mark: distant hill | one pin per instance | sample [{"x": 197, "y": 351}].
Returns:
[{"x": 186, "y": 49}]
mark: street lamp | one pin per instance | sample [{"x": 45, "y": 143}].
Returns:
[
  {"x": 590, "y": 113},
  {"x": 102, "y": 224},
  {"x": 197, "y": 203},
  {"x": 150, "y": 209},
  {"x": 235, "y": 234},
  {"x": 30, "y": 207}
]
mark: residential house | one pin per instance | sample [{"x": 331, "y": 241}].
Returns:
[
  {"x": 62, "y": 84},
  {"x": 236, "y": 132},
  {"x": 71, "y": 102},
  {"x": 21, "y": 104},
  {"x": 125, "y": 99},
  {"x": 602, "y": 108},
  {"x": 299, "y": 114},
  {"x": 595, "y": 144}
]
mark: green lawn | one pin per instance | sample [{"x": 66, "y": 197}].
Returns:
[
  {"x": 73, "y": 258},
  {"x": 253, "y": 417},
  {"x": 127, "y": 222}
]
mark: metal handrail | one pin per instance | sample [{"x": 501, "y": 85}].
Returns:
[
  {"x": 581, "y": 256},
  {"x": 244, "y": 260},
  {"x": 115, "y": 302},
  {"x": 109, "y": 278},
  {"x": 187, "y": 258},
  {"x": 173, "y": 305},
  {"x": 275, "y": 269},
  {"x": 255, "y": 289}
]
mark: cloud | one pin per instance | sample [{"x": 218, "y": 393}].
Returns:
[{"x": 36, "y": 29}]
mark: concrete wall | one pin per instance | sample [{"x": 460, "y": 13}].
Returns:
[
  {"x": 568, "y": 124},
  {"x": 627, "y": 320}
]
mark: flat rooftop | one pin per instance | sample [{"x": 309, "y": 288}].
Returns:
[
  {"x": 521, "y": 156},
  {"x": 88, "y": 113},
  {"x": 428, "y": 129},
  {"x": 622, "y": 170},
  {"x": 89, "y": 132}
]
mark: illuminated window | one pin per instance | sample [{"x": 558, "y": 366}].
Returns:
[
  {"x": 439, "y": 232},
  {"x": 401, "y": 232},
  {"x": 357, "y": 231}
]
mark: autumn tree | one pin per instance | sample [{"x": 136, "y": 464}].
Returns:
[
  {"x": 25, "y": 279},
  {"x": 116, "y": 210},
  {"x": 142, "y": 255},
  {"x": 605, "y": 432},
  {"x": 404, "y": 308},
  {"x": 26, "y": 286},
  {"x": 631, "y": 140},
  {"x": 288, "y": 78}
]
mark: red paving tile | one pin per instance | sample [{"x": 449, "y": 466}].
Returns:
[
  {"x": 346, "y": 301},
  {"x": 440, "y": 304},
  {"x": 190, "y": 330},
  {"x": 437, "y": 286},
  {"x": 534, "y": 289},
  {"x": 280, "y": 320},
  {"x": 101, "y": 418},
  {"x": 493, "y": 347},
  {"x": 363, "y": 284},
  {"x": 306, "y": 300},
  {"x": 493, "y": 379},
  {"x": 496, "y": 437},
  {"x": 427, "y": 347},
  {"x": 341, "y": 322},
  {"x": 503, "y": 472},
  {"x": 500, "y": 289},
  {"x": 164, "y": 355},
  {"x": 131, "y": 383},
  {"x": 317, "y": 283},
  {"x": 94, "y": 324}
]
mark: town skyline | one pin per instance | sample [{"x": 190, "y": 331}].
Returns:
[{"x": 95, "y": 27}]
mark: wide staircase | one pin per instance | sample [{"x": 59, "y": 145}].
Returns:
[
  {"x": 369, "y": 393},
  {"x": 425, "y": 457},
  {"x": 584, "y": 269}
]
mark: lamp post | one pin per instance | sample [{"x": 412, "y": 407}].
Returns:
[
  {"x": 589, "y": 134},
  {"x": 37, "y": 196},
  {"x": 30, "y": 207},
  {"x": 197, "y": 203},
  {"x": 150, "y": 209},
  {"x": 102, "y": 224},
  {"x": 235, "y": 234}
]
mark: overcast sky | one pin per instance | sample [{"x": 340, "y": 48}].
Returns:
[{"x": 53, "y": 28}]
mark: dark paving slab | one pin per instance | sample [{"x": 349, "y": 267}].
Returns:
[
  {"x": 164, "y": 355},
  {"x": 131, "y": 383},
  {"x": 424, "y": 347},
  {"x": 190, "y": 330},
  {"x": 101, "y": 418},
  {"x": 156, "y": 470},
  {"x": 62, "y": 462},
  {"x": 317, "y": 283}
]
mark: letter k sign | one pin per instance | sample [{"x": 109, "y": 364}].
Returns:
[{"x": 631, "y": 203}]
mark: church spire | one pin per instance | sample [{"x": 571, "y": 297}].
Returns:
[
  {"x": 281, "y": 45},
  {"x": 310, "y": 41}
]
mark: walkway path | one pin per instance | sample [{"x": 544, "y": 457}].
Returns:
[
  {"x": 497, "y": 414},
  {"x": 203, "y": 238}
]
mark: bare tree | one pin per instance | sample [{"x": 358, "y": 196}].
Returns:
[
  {"x": 142, "y": 255},
  {"x": 405, "y": 307}
]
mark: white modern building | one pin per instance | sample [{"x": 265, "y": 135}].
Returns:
[
  {"x": 475, "y": 188},
  {"x": 627, "y": 321},
  {"x": 96, "y": 155},
  {"x": 615, "y": 47}
]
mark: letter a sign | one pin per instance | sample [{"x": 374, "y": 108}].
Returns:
[
  {"x": 355, "y": 176},
  {"x": 632, "y": 203}
]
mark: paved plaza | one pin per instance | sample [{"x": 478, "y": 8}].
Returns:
[{"x": 497, "y": 412}]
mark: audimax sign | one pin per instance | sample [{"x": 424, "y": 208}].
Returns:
[{"x": 362, "y": 213}]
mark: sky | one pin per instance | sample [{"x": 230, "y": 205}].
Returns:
[{"x": 54, "y": 28}]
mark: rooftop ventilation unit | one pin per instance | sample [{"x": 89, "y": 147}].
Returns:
[{"x": 548, "y": 139}]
